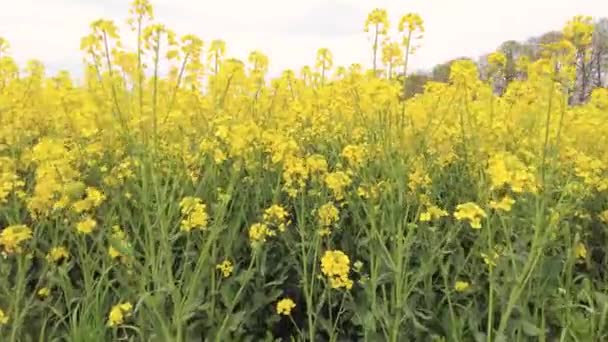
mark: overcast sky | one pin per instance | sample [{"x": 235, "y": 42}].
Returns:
[{"x": 290, "y": 31}]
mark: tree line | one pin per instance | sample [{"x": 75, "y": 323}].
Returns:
[{"x": 588, "y": 40}]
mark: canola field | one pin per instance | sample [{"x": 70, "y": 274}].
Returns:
[{"x": 211, "y": 202}]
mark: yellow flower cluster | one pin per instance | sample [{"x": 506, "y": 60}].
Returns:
[
  {"x": 470, "y": 212},
  {"x": 119, "y": 313},
  {"x": 506, "y": 169},
  {"x": 276, "y": 216},
  {"x": 225, "y": 267},
  {"x": 335, "y": 265},
  {"x": 324, "y": 147},
  {"x": 285, "y": 306},
  {"x": 12, "y": 238},
  {"x": 3, "y": 317},
  {"x": 259, "y": 232},
  {"x": 86, "y": 225},
  {"x": 461, "y": 286},
  {"x": 58, "y": 254},
  {"x": 432, "y": 213},
  {"x": 355, "y": 155},
  {"x": 337, "y": 182},
  {"x": 504, "y": 204},
  {"x": 194, "y": 213},
  {"x": 327, "y": 215}
]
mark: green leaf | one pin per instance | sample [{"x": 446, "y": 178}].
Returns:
[{"x": 530, "y": 329}]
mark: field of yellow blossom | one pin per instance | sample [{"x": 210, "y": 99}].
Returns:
[{"x": 210, "y": 203}]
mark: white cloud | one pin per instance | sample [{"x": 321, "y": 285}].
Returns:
[{"x": 290, "y": 32}]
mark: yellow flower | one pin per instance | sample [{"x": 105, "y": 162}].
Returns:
[
  {"x": 284, "y": 306},
  {"x": 119, "y": 245},
  {"x": 506, "y": 169},
  {"x": 505, "y": 204},
  {"x": 411, "y": 22},
  {"x": 425, "y": 217},
  {"x": 497, "y": 60},
  {"x": 276, "y": 216},
  {"x": 114, "y": 253},
  {"x": 194, "y": 212},
  {"x": 3, "y": 317},
  {"x": 226, "y": 268},
  {"x": 604, "y": 216},
  {"x": 470, "y": 212},
  {"x": 258, "y": 232},
  {"x": 336, "y": 266},
  {"x": 461, "y": 286},
  {"x": 93, "y": 200},
  {"x": 337, "y": 182},
  {"x": 12, "y": 237},
  {"x": 432, "y": 213},
  {"x": 324, "y": 232},
  {"x": 86, "y": 226},
  {"x": 354, "y": 154},
  {"x": 377, "y": 18},
  {"x": 58, "y": 254},
  {"x": 327, "y": 215},
  {"x": 580, "y": 251},
  {"x": 118, "y": 314},
  {"x": 44, "y": 292},
  {"x": 316, "y": 163}
]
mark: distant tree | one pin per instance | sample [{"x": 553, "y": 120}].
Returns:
[
  {"x": 441, "y": 72},
  {"x": 513, "y": 52},
  {"x": 579, "y": 32},
  {"x": 599, "y": 54},
  {"x": 415, "y": 83}
]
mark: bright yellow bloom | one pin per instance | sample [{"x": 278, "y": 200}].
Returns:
[
  {"x": 44, "y": 292},
  {"x": 378, "y": 17},
  {"x": 505, "y": 204},
  {"x": 86, "y": 226},
  {"x": 276, "y": 216},
  {"x": 58, "y": 254},
  {"x": 93, "y": 200},
  {"x": 470, "y": 212},
  {"x": 3, "y": 317},
  {"x": 284, "y": 306},
  {"x": 432, "y": 213},
  {"x": 604, "y": 216},
  {"x": 258, "y": 232},
  {"x": 461, "y": 286},
  {"x": 411, "y": 22},
  {"x": 118, "y": 314},
  {"x": 355, "y": 155},
  {"x": 506, "y": 169},
  {"x": 580, "y": 251},
  {"x": 316, "y": 163},
  {"x": 327, "y": 215},
  {"x": 337, "y": 183},
  {"x": 12, "y": 237},
  {"x": 225, "y": 267},
  {"x": 194, "y": 214},
  {"x": 336, "y": 266},
  {"x": 497, "y": 60}
]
